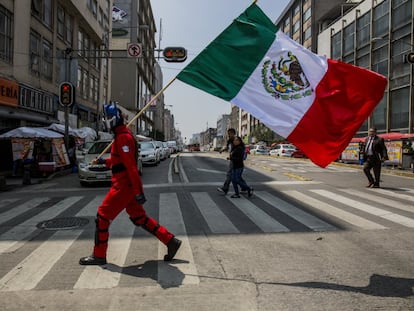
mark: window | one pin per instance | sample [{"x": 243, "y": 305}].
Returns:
[
  {"x": 47, "y": 64},
  {"x": 349, "y": 33},
  {"x": 336, "y": 52},
  {"x": 399, "y": 108},
  {"x": 399, "y": 49},
  {"x": 401, "y": 13},
  {"x": 295, "y": 27},
  {"x": 6, "y": 35},
  {"x": 380, "y": 60},
  {"x": 43, "y": 9},
  {"x": 34, "y": 52},
  {"x": 380, "y": 19},
  {"x": 65, "y": 25},
  {"x": 379, "y": 116},
  {"x": 80, "y": 43},
  {"x": 307, "y": 14},
  {"x": 363, "y": 29},
  {"x": 307, "y": 34}
]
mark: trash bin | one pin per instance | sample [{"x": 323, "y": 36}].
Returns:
[
  {"x": 361, "y": 158},
  {"x": 26, "y": 175}
]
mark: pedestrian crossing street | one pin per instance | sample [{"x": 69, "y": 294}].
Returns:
[{"x": 32, "y": 256}]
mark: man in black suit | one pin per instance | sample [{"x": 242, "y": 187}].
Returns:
[{"x": 375, "y": 154}]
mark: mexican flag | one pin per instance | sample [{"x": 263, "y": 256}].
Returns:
[{"x": 316, "y": 103}]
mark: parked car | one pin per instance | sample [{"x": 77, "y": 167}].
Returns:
[
  {"x": 89, "y": 173},
  {"x": 166, "y": 149},
  {"x": 298, "y": 154},
  {"x": 160, "y": 147},
  {"x": 149, "y": 153},
  {"x": 259, "y": 149},
  {"x": 282, "y": 150}
]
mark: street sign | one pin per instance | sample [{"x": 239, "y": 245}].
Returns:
[{"x": 134, "y": 49}]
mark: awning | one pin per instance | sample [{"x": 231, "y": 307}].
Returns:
[{"x": 31, "y": 132}]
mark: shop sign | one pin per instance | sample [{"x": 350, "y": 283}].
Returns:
[{"x": 9, "y": 93}]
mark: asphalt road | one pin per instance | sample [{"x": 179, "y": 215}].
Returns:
[{"x": 309, "y": 239}]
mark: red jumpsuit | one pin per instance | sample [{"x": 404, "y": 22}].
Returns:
[{"x": 126, "y": 184}]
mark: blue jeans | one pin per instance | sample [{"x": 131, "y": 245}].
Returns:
[{"x": 237, "y": 180}]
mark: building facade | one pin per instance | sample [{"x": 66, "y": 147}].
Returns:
[
  {"x": 44, "y": 44},
  {"x": 378, "y": 35},
  {"x": 135, "y": 80}
]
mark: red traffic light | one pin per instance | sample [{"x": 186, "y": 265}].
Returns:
[
  {"x": 66, "y": 93},
  {"x": 175, "y": 54}
]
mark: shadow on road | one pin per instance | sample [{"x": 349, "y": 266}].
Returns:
[{"x": 149, "y": 269}]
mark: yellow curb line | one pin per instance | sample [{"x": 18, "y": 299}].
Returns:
[{"x": 288, "y": 174}]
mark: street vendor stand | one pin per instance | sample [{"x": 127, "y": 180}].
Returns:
[{"x": 41, "y": 149}]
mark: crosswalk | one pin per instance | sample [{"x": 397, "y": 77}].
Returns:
[{"x": 29, "y": 255}]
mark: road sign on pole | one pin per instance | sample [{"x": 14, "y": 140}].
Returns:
[{"x": 134, "y": 49}]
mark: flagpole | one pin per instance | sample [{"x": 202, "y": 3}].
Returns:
[{"x": 140, "y": 113}]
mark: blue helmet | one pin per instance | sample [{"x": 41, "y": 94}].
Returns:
[{"x": 112, "y": 115}]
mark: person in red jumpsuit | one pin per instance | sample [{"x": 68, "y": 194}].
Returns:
[{"x": 126, "y": 192}]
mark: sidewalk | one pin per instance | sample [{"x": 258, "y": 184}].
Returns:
[
  {"x": 408, "y": 172},
  {"x": 8, "y": 183}
]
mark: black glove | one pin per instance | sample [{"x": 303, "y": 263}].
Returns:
[
  {"x": 140, "y": 198},
  {"x": 100, "y": 161}
]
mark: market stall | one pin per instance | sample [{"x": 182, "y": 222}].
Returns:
[{"x": 44, "y": 150}]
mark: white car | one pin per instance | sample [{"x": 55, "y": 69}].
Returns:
[
  {"x": 89, "y": 173},
  {"x": 259, "y": 149},
  {"x": 283, "y": 150},
  {"x": 149, "y": 153}
]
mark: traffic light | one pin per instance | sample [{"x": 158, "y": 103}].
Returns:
[
  {"x": 66, "y": 93},
  {"x": 175, "y": 54},
  {"x": 410, "y": 58}
]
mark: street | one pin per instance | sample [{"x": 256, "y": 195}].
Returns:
[{"x": 308, "y": 239}]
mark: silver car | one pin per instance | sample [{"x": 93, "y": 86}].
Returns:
[
  {"x": 89, "y": 173},
  {"x": 149, "y": 153}
]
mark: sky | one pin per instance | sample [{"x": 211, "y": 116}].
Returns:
[{"x": 193, "y": 24}]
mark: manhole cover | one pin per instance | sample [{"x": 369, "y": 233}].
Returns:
[{"x": 66, "y": 223}]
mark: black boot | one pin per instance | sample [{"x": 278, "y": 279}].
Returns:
[
  {"x": 92, "y": 261},
  {"x": 173, "y": 247}
]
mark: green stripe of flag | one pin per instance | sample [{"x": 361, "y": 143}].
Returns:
[{"x": 226, "y": 63}]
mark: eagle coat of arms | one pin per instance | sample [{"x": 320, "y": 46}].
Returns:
[{"x": 285, "y": 79}]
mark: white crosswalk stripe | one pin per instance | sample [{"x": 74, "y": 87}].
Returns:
[
  {"x": 399, "y": 219},
  {"x": 12, "y": 239},
  {"x": 20, "y": 209},
  {"x": 215, "y": 218},
  {"x": 334, "y": 211},
  {"x": 172, "y": 218},
  {"x": 34, "y": 267},
  {"x": 258, "y": 216},
  {"x": 354, "y": 207},
  {"x": 7, "y": 202},
  {"x": 307, "y": 219}
]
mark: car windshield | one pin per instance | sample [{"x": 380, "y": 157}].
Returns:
[
  {"x": 146, "y": 145},
  {"x": 289, "y": 147},
  {"x": 98, "y": 147}
]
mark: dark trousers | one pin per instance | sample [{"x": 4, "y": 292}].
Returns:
[
  {"x": 237, "y": 180},
  {"x": 375, "y": 164}
]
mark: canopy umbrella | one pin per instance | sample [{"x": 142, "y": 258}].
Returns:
[{"x": 30, "y": 132}]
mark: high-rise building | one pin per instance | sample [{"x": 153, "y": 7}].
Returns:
[{"x": 44, "y": 44}]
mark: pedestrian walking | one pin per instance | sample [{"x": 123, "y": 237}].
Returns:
[
  {"x": 237, "y": 156},
  {"x": 126, "y": 192},
  {"x": 375, "y": 155},
  {"x": 231, "y": 133}
]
